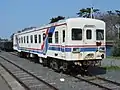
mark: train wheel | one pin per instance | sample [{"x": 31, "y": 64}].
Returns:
[
  {"x": 55, "y": 65},
  {"x": 45, "y": 63},
  {"x": 20, "y": 54},
  {"x": 65, "y": 67}
]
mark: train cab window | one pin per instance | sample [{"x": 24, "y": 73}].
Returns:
[
  {"x": 50, "y": 38},
  {"x": 99, "y": 34},
  {"x": 89, "y": 34},
  {"x": 31, "y": 38},
  {"x": 56, "y": 37},
  {"x": 35, "y": 38},
  {"x": 24, "y": 39},
  {"x": 27, "y": 39},
  {"x": 39, "y": 38},
  {"x": 76, "y": 34},
  {"x": 63, "y": 35}
]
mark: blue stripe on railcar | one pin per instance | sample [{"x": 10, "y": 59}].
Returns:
[
  {"x": 58, "y": 49},
  {"x": 87, "y": 49}
]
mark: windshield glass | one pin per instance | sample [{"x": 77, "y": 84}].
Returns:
[
  {"x": 76, "y": 34},
  {"x": 99, "y": 34}
]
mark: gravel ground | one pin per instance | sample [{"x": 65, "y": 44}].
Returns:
[
  {"x": 110, "y": 62},
  {"x": 69, "y": 83},
  {"x": 3, "y": 84},
  {"x": 112, "y": 74}
]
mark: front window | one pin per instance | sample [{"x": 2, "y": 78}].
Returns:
[
  {"x": 99, "y": 34},
  {"x": 89, "y": 34},
  {"x": 76, "y": 34}
]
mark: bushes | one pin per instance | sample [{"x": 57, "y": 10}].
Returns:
[{"x": 116, "y": 48}]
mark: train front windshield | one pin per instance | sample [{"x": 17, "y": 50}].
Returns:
[
  {"x": 99, "y": 34},
  {"x": 76, "y": 34}
]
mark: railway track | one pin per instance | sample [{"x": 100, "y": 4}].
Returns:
[
  {"x": 100, "y": 82},
  {"x": 26, "y": 78}
]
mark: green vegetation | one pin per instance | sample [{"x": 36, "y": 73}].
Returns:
[
  {"x": 114, "y": 57},
  {"x": 116, "y": 49},
  {"x": 86, "y": 12},
  {"x": 111, "y": 68},
  {"x": 55, "y": 19}
]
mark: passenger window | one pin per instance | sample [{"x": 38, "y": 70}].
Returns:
[
  {"x": 63, "y": 35},
  {"x": 89, "y": 34},
  {"x": 27, "y": 39},
  {"x": 50, "y": 38},
  {"x": 39, "y": 38},
  {"x": 44, "y": 36},
  {"x": 31, "y": 38},
  {"x": 76, "y": 34},
  {"x": 24, "y": 39},
  {"x": 19, "y": 40},
  {"x": 56, "y": 37},
  {"x": 35, "y": 38}
]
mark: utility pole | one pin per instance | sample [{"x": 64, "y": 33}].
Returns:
[
  {"x": 118, "y": 30},
  {"x": 91, "y": 13}
]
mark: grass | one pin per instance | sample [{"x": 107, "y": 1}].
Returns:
[
  {"x": 111, "y": 68},
  {"x": 113, "y": 57}
]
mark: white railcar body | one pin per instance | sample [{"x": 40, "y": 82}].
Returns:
[{"x": 73, "y": 39}]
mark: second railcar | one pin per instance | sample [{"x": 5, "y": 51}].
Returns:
[{"x": 6, "y": 45}]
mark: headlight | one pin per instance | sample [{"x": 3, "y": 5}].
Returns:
[{"x": 76, "y": 50}]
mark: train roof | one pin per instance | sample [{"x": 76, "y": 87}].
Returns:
[{"x": 61, "y": 22}]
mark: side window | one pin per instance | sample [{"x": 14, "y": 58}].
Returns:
[
  {"x": 27, "y": 39},
  {"x": 43, "y": 36},
  {"x": 31, "y": 38},
  {"x": 63, "y": 35},
  {"x": 56, "y": 37},
  {"x": 50, "y": 38},
  {"x": 35, "y": 38},
  {"x": 19, "y": 40},
  {"x": 24, "y": 39},
  {"x": 16, "y": 39},
  {"x": 39, "y": 38},
  {"x": 76, "y": 34},
  {"x": 89, "y": 34}
]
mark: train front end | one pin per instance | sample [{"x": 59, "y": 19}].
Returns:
[{"x": 87, "y": 41}]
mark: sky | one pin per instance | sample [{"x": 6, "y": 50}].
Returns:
[{"x": 16, "y": 15}]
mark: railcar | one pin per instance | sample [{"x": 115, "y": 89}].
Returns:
[
  {"x": 64, "y": 44},
  {"x": 6, "y": 45}
]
